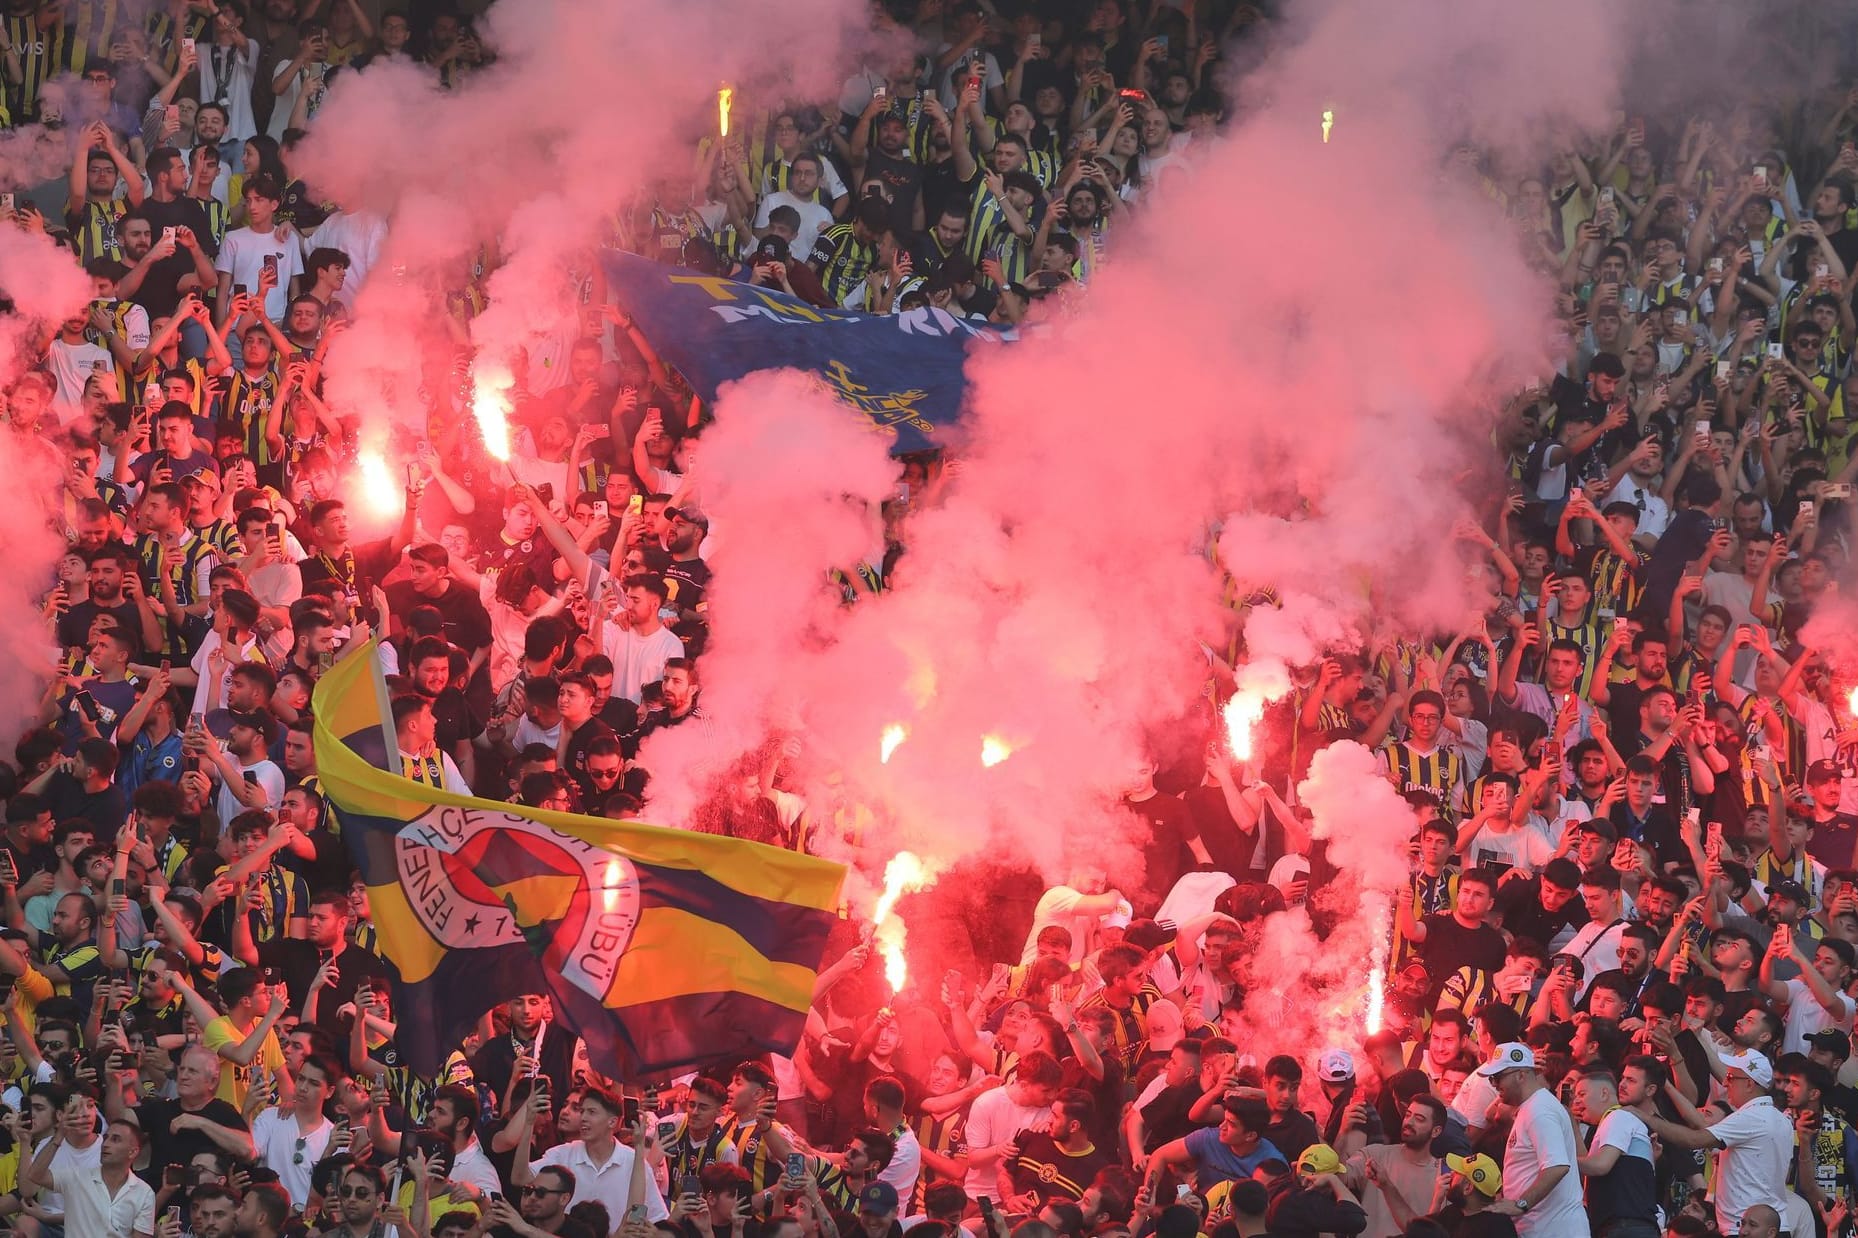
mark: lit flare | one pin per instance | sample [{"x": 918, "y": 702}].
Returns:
[
  {"x": 1242, "y": 713},
  {"x": 994, "y": 750},
  {"x": 1328, "y": 123},
  {"x": 893, "y": 738},
  {"x": 1851, "y": 703},
  {"x": 904, "y": 873},
  {"x": 724, "y": 98},
  {"x": 490, "y": 406},
  {"x": 378, "y": 491}
]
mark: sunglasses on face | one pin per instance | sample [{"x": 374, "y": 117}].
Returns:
[{"x": 356, "y": 1192}]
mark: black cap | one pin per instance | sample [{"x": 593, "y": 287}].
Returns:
[
  {"x": 1147, "y": 934},
  {"x": 1787, "y": 887},
  {"x": 1822, "y": 771},
  {"x": 1833, "y": 1041},
  {"x": 689, "y": 515}
]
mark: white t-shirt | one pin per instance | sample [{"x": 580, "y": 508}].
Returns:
[
  {"x": 268, "y": 776},
  {"x": 905, "y": 1165},
  {"x": 242, "y": 256},
  {"x": 275, "y": 1134},
  {"x": 1055, "y": 906},
  {"x": 1475, "y": 1097},
  {"x": 1597, "y": 947},
  {"x": 638, "y": 660},
  {"x": 1654, "y": 514},
  {"x": 1521, "y": 846},
  {"x": 1806, "y": 1017},
  {"x": 247, "y": 652},
  {"x": 1541, "y": 1138},
  {"x": 1757, "y": 1142},
  {"x": 814, "y": 219},
  {"x": 995, "y": 1118},
  {"x": 71, "y": 366}
]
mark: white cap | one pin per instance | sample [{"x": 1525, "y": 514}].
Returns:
[
  {"x": 1121, "y": 917},
  {"x": 1334, "y": 1066},
  {"x": 1512, "y": 1056},
  {"x": 1751, "y": 1063},
  {"x": 1165, "y": 1027}
]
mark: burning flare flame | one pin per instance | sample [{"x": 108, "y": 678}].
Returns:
[
  {"x": 378, "y": 491},
  {"x": 1328, "y": 123},
  {"x": 1242, "y": 713},
  {"x": 894, "y": 735},
  {"x": 1380, "y": 913},
  {"x": 904, "y": 873},
  {"x": 1851, "y": 703},
  {"x": 490, "y": 406},
  {"x": 724, "y": 98},
  {"x": 994, "y": 750}
]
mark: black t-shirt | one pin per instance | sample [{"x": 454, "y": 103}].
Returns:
[
  {"x": 354, "y": 573},
  {"x": 167, "y": 1146},
  {"x": 1292, "y": 1133},
  {"x": 455, "y": 721},
  {"x": 466, "y": 623},
  {"x": 1519, "y": 903},
  {"x": 904, "y": 179},
  {"x": 1209, "y": 817},
  {"x": 298, "y": 959},
  {"x": 159, "y": 293},
  {"x": 1164, "y": 1119},
  {"x": 687, "y": 579},
  {"x": 74, "y": 624},
  {"x": 1166, "y": 856},
  {"x": 1449, "y": 945},
  {"x": 575, "y": 757}
]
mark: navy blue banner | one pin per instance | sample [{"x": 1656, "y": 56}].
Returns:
[{"x": 903, "y": 373}]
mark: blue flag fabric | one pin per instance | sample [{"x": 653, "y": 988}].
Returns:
[{"x": 902, "y": 372}]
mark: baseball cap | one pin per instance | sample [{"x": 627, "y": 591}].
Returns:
[
  {"x": 1600, "y": 826},
  {"x": 1751, "y": 1063},
  {"x": 1511, "y": 1056},
  {"x": 1319, "y": 1158},
  {"x": 1787, "y": 887},
  {"x": 1335, "y": 1066},
  {"x": 1121, "y": 918},
  {"x": 1147, "y": 934},
  {"x": 1822, "y": 771},
  {"x": 878, "y": 1198},
  {"x": 1165, "y": 1027},
  {"x": 1480, "y": 1170},
  {"x": 1831, "y": 1040},
  {"x": 249, "y": 719},
  {"x": 689, "y": 515}
]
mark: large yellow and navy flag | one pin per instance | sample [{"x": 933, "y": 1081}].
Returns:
[{"x": 661, "y": 948}]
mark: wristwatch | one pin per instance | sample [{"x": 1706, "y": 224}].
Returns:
[{"x": 1522, "y": 1205}]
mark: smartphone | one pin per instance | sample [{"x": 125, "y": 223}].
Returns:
[
  {"x": 1821, "y": 270},
  {"x": 600, "y": 511},
  {"x": 273, "y": 976},
  {"x": 1761, "y": 174},
  {"x": 545, "y": 491},
  {"x": 667, "y": 1131},
  {"x": 1162, "y": 40},
  {"x": 881, "y": 93},
  {"x": 1703, "y": 429},
  {"x": 1724, "y": 368},
  {"x": 8, "y": 201},
  {"x": 188, "y": 44},
  {"x": 690, "y": 1184},
  {"x": 9, "y": 871},
  {"x": 1182, "y": 1191},
  {"x": 635, "y": 504},
  {"x": 174, "y": 1175},
  {"x": 1776, "y": 352},
  {"x": 167, "y": 236},
  {"x": 987, "y": 1212},
  {"x": 196, "y": 722},
  {"x": 1837, "y": 490},
  {"x": 1716, "y": 266},
  {"x": 88, "y": 704},
  {"x": 635, "y": 1214},
  {"x": 1034, "y": 39},
  {"x": 796, "y": 1165},
  {"x": 118, "y": 887},
  {"x": 1683, "y": 317},
  {"x": 1606, "y": 195},
  {"x": 239, "y": 290}
]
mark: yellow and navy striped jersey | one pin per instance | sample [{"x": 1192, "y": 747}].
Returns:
[
  {"x": 247, "y": 408},
  {"x": 688, "y": 1156},
  {"x": 222, "y": 537},
  {"x": 938, "y": 1135},
  {"x": 165, "y": 41},
  {"x": 427, "y": 770},
  {"x": 217, "y": 217},
  {"x": 1129, "y": 1034},
  {"x": 1586, "y": 637},
  {"x": 1801, "y": 867},
  {"x": 82, "y": 33},
  {"x": 93, "y": 227},
  {"x": 752, "y": 1152},
  {"x": 985, "y": 217},
  {"x": 1440, "y": 771},
  {"x": 842, "y": 259},
  {"x": 1470, "y": 988},
  {"x": 1789, "y": 759},
  {"x": 1430, "y": 895},
  {"x": 1616, "y": 582}
]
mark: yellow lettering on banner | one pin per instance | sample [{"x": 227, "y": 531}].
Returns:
[
  {"x": 720, "y": 289},
  {"x": 799, "y": 309}
]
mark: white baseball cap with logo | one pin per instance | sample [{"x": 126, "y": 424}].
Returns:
[
  {"x": 1511, "y": 1056},
  {"x": 1751, "y": 1063}
]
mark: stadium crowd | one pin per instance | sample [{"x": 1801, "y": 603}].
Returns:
[{"x": 1620, "y": 999}]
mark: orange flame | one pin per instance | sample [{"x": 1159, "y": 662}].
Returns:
[
  {"x": 1242, "y": 713},
  {"x": 904, "y": 873},
  {"x": 893, "y": 738},
  {"x": 724, "y": 98},
  {"x": 490, "y": 405},
  {"x": 378, "y": 491}
]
